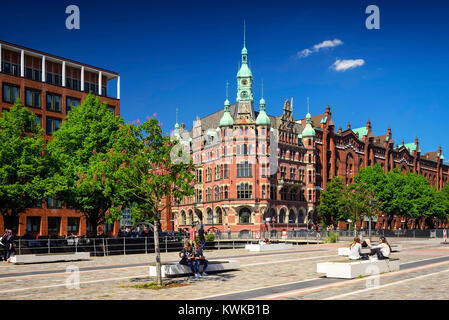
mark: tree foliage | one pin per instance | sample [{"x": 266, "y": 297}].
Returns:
[
  {"x": 78, "y": 149},
  {"x": 24, "y": 169}
]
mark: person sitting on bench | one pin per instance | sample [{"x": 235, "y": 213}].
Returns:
[
  {"x": 188, "y": 258},
  {"x": 355, "y": 252},
  {"x": 382, "y": 250},
  {"x": 200, "y": 258}
]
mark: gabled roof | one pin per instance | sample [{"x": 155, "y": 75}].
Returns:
[
  {"x": 380, "y": 140},
  {"x": 363, "y": 131}
]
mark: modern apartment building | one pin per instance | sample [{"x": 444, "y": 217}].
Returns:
[{"x": 50, "y": 86}]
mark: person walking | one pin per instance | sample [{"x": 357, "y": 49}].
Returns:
[
  {"x": 9, "y": 246},
  {"x": 201, "y": 234},
  {"x": 229, "y": 232}
]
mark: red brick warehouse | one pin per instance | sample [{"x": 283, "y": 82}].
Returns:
[{"x": 234, "y": 185}]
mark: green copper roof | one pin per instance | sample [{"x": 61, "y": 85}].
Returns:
[
  {"x": 324, "y": 120},
  {"x": 410, "y": 146},
  {"x": 226, "y": 120},
  {"x": 244, "y": 71},
  {"x": 363, "y": 131},
  {"x": 440, "y": 156},
  {"x": 308, "y": 130}
]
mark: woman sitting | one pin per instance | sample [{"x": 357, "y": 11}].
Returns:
[
  {"x": 355, "y": 252},
  {"x": 382, "y": 250}
]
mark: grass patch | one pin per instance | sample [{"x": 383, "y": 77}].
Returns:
[{"x": 155, "y": 286}]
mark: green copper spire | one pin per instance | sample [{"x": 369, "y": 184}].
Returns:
[
  {"x": 226, "y": 119},
  {"x": 308, "y": 130},
  {"x": 176, "y": 131},
  {"x": 262, "y": 118},
  {"x": 244, "y": 75}
]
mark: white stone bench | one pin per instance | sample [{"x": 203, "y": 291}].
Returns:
[
  {"x": 348, "y": 269},
  {"x": 345, "y": 251},
  {"x": 174, "y": 269},
  {"x": 50, "y": 257},
  {"x": 268, "y": 247}
]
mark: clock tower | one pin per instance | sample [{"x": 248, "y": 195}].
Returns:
[{"x": 245, "y": 84}]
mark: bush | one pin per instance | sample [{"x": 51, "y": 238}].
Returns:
[
  {"x": 210, "y": 237},
  {"x": 332, "y": 238}
]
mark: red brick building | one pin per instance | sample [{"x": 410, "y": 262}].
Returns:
[
  {"x": 255, "y": 172},
  {"x": 50, "y": 86}
]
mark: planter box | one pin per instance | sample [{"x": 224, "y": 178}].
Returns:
[
  {"x": 348, "y": 269},
  {"x": 42, "y": 258},
  {"x": 268, "y": 247},
  {"x": 175, "y": 269}
]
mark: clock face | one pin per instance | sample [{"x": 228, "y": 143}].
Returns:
[
  {"x": 244, "y": 82},
  {"x": 244, "y": 94}
]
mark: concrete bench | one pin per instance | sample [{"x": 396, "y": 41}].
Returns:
[
  {"x": 268, "y": 247},
  {"x": 174, "y": 269},
  {"x": 49, "y": 257},
  {"x": 345, "y": 251},
  {"x": 350, "y": 269}
]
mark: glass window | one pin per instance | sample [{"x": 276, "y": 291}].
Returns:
[
  {"x": 7, "y": 67},
  {"x": 54, "y": 203},
  {"x": 245, "y": 216},
  {"x": 34, "y": 224},
  {"x": 72, "y": 102},
  {"x": 73, "y": 225},
  {"x": 53, "y": 102},
  {"x": 54, "y": 224},
  {"x": 53, "y": 125},
  {"x": 32, "y": 98},
  {"x": 10, "y": 93}
]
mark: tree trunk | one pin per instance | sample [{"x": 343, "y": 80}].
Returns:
[{"x": 157, "y": 251}]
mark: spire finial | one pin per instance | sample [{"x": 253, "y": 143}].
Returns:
[
  {"x": 262, "y": 88},
  {"x": 227, "y": 86},
  {"x": 244, "y": 34},
  {"x": 308, "y": 105},
  {"x": 177, "y": 110}
]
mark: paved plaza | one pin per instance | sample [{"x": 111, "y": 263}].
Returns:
[{"x": 290, "y": 274}]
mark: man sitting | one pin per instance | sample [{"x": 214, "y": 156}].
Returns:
[{"x": 200, "y": 259}]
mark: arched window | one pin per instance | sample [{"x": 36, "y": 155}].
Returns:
[
  {"x": 217, "y": 193},
  {"x": 220, "y": 215},
  {"x": 245, "y": 216},
  {"x": 226, "y": 192},
  {"x": 282, "y": 216},
  {"x": 291, "y": 216},
  {"x": 210, "y": 216},
  {"x": 183, "y": 218}
]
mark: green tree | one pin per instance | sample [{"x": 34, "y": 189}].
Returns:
[
  {"x": 330, "y": 209},
  {"x": 78, "y": 149},
  {"x": 150, "y": 173},
  {"x": 358, "y": 200},
  {"x": 23, "y": 169}
]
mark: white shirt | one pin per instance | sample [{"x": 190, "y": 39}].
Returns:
[
  {"x": 384, "y": 248},
  {"x": 356, "y": 249}
]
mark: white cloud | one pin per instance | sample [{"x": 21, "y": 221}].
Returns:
[
  {"x": 327, "y": 44},
  {"x": 304, "y": 53},
  {"x": 317, "y": 47},
  {"x": 343, "y": 65}
]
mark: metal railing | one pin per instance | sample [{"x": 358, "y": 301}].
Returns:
[{"x": 234, "y": 240}]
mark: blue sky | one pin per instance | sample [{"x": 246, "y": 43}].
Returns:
[{"x": 181, "y": 53}]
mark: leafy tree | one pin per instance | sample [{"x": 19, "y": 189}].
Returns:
[
  {"x": 330, "y": 209},
  {"x": 23, "y": 168},
  {"x": 358, "y": 200},
  {"x": 149, "y": 175},
  {"x": 78, "y": 149}
]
